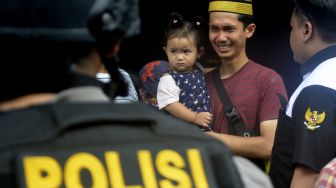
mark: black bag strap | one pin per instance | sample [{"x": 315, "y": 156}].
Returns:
[
  {"x": 237, "y": 126},
  {"x": 283, "y": 101}
]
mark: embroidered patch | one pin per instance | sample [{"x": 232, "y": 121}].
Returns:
[{"x": 313, "y": 119}]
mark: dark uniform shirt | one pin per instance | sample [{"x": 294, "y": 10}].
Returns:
[{"x": 306, "y": 132}]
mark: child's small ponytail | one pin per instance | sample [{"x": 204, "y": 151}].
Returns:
[
  {"x": 176, "y": 20},
  {"x": 198, "y": 22}
]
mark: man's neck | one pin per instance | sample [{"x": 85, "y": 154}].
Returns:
[{"x": 229, "y": 67}]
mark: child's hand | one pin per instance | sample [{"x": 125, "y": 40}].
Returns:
[{"x": 203, "y": 119}]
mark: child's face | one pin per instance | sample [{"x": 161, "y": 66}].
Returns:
[{"x": 182, "y": 53}]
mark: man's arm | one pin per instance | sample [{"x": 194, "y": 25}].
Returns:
[
  {"x": 255, "y": 147},
  {"x": 304, "y": 177}
]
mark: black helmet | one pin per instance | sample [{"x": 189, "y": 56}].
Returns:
[
  {"x": 67, "y": 20},
  {"x": 38, "y": 36}
]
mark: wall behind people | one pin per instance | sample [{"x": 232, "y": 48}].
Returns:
[{"x": 269, "y": 46}]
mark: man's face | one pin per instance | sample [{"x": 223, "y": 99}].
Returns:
[{"x": 227, "y": 34}]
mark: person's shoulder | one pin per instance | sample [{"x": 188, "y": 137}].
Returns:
[
  {"x": 208, "y": 76},
  {"x": 262, "y": 69},
  {"x": 210, "y": 72},
  {"x": 166, "y": 79},
  {"x": 124, "y": 74},
  {"x": 166, "y": 75},
  {"x": 260, "y": 66},
  {"x": 26, "y": 119},
  {"x": 105, "y": 77}
]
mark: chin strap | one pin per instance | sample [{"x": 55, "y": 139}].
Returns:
[{"x": 117, "y": 85}]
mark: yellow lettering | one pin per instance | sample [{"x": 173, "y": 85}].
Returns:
[
  {"x": 170, "y": 165},
  {"x": 146, "y": 168},
  {"x": 197, "y": 169},
  {"x": 42, "y": 172},
  {"x": 115, "y": 171},
  {"x": 80, "y": 161},
  {"x": 46, "y": 172}
]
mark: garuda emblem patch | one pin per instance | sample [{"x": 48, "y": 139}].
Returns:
[{"x": 313, "y": 119}]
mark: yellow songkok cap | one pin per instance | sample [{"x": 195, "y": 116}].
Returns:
[{"x": 238, "y": 6}]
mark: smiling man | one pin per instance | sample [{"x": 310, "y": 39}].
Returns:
[{"x": 247, "y": 125}]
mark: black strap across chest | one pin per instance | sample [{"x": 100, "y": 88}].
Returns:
[{"x": 236, "y": 125}]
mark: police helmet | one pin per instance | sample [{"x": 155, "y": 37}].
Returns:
[
  {"x": 38, "y": 36},
  {"x": 67, "y": 20}
]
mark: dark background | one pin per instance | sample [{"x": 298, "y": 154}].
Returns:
[{"x": 269, "y": 46}]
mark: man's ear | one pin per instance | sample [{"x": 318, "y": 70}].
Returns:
[
  {"x": 250, "y": 29},
  {"x": 307, "y": 31}
]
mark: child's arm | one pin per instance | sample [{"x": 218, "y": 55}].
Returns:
[
  {"x": 179, "y": 111},
  {"x": 168, "y": 98}
]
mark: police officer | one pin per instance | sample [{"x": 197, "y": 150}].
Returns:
[
  {"x": 48, "y": 140},
  {"x": 305, "y": 137},
  {"x": 39, "y": 42}
]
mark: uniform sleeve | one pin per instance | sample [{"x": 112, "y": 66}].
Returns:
[
  {"x": 168, "y": 92},
  {"x": 314, "y": 115},
  {"x": 272, "y": 86}
]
